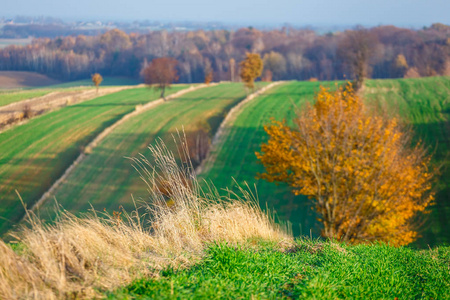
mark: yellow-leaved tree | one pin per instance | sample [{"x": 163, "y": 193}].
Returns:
[
  {"x": 365, "y": 178},
  {"x": 251, "y": 68},
  {"x": 96, "y": 80}
]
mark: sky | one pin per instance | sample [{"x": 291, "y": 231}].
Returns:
[{"x": 295, "y": 12}]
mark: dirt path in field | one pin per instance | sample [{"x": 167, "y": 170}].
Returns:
[
  {"x": 224, "y": 128},
  {"x": 21, "y": 111},
  {"x": 89, "y": 148}
]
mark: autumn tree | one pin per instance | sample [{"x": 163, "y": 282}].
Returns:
[
  {"x": 161, "y": 73},
  {"x": 366, "y": 181},
  {"x": 400, "y": 66},
  {"x": 251, "y": 68},
  {"x": 96, "y": 80},
  {"x": 208, "y": 72}
]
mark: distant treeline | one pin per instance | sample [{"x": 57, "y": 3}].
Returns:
[{"x": 379, "y": 52}]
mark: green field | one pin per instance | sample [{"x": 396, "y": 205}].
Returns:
[
  {"x": 236, "y": 155},
  {"x": 310, "y": 270},
  {"x": 11, "y": 97},
  {"x": 35, "y": 154},
  {"x": 15, "y": 95},
  {"x": 425, "y": 103},
  {"x": 106, "y": 179},
  {"x": 107, "y": 81}
]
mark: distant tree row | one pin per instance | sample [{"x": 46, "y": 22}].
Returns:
[{"x": 379, "y": 52}]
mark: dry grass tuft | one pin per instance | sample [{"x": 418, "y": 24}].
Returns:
[{"x": 80, "y": 257}]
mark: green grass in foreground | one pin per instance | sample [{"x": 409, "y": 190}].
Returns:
[
  {"x": 310, "y": 270},
  {"x": 106, "y": 179},
  {"x": 35, "y": 154}
]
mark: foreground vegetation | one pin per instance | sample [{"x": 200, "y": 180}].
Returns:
[
  {"x": 80, "y": 258},
  {"x": 35, "y": 154},
  {"x": 303, "y": 270}
]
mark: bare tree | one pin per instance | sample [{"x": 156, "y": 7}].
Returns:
[{"x": 161, "y": 73}]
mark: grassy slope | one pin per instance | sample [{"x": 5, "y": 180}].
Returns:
[
  {"x": 424, "y": 103},
  {"x": 311, "y": 270},
  {"x": 7, "y": 98},
  {"x": 10, "y": 96},
  {"x": 246, "y": 136},
  {"x": 106, "y": 179},
  {"x": 35, "y": 154}
]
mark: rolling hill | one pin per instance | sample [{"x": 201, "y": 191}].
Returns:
[
  {"x": 35, "y": 154},
  {"x": 424, "y": 103},
  {"x": 106, "y": 178}
]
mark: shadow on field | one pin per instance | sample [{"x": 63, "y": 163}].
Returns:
[{"x": 436, "y": 137}]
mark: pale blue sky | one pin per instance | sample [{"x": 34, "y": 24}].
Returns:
[{"x": 301, "y": 12}]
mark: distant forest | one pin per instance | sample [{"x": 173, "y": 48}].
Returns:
[{"x": 385, "y": 52}]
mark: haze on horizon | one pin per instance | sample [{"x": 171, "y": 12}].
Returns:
[{"x": 414, "y": 13}]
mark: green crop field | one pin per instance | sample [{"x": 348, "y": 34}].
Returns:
[
  {"x": 236, "y": 158},
  {"x": 35, "y": 154},
  {"x": 10, "y": 97},
  {"x": 107, "y": 81},
  {"x": 425, "y": 103},
  {"x": 106, "y": 179}
]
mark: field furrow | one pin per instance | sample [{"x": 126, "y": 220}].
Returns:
[
  {"x": 106, "y": 178},
  {"x": 424, "y": 103},
  {"x": 235, "y": 158},
  {"x": 34, "y": 155}
]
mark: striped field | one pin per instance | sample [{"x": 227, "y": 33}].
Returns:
[
  {"x": 106, "y": 179},
  {"x": 35, "y": 154}
]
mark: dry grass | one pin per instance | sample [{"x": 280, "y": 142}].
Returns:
[{"x": 81, "y": 257}]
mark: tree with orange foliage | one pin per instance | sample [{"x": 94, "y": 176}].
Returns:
[
  {"x": 251, "y": 68},
  {"x": 161, "y": 73},
  {"x": 96, "y": 80},
  {"x": 209, "y": 77},
  {"x": 366, "y": 181},
  {"x": 208, "y": 72}
]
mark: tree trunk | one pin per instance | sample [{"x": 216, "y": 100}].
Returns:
[{"x": 162, "y": 93}]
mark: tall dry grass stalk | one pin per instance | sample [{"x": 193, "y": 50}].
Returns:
[{"x": 81, "y": 257}]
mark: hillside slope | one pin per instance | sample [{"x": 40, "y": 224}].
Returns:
[
  {"x": 107, "y": 179},
  {"x": 35, "y": 154},
  {"x": 424, "y": 103}
]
